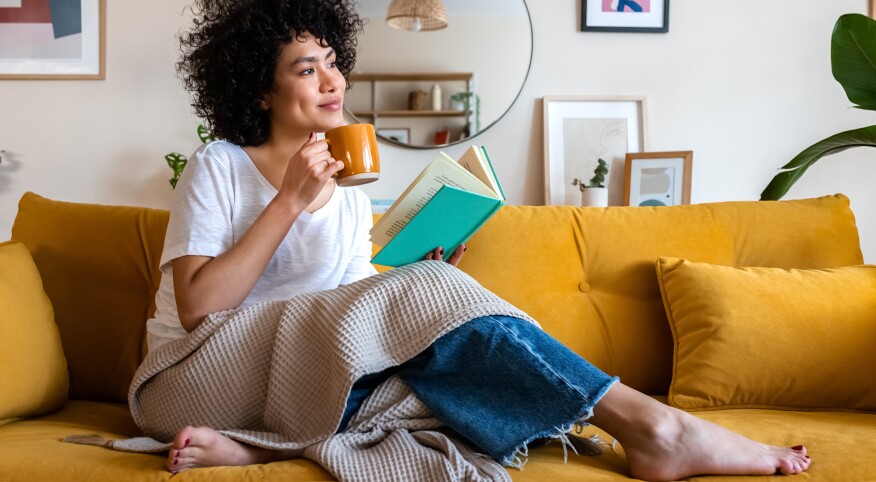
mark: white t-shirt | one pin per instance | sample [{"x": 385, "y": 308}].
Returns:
[{"x": 218, "y": 197}]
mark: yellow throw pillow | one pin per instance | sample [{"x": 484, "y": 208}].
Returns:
[
  {"x": 769, "y": 337},
  {"x": 33, "y": 371}
]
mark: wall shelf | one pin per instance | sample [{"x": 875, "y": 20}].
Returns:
[{"x": 390, "y": 97}]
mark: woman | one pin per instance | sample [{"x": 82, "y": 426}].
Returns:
[{"x": 261, "y": 209}]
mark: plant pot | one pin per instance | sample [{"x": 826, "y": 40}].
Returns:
[{"x": 594, "y": 197}]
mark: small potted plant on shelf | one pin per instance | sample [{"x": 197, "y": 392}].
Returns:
[{"x": 594, "y": 194}]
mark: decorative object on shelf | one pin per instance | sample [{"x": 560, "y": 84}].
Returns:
[
  {"x": 594, "y": 194},
  {"x": 177, "y": 162},
  {"x": 462, "y": 101},
  {"x": 53, "y": 40},
  {"x": 417, "y": 100},
  {"x": 417, "y": 15},
  {"x": 401, "y": 135},
  {"x": 442, "y": 137},
  {"x": 657, "y": 178},
  {"x": 436, "y": 97},
  {"x": 578, "y": 130},
  {"x": 644, "y": 16},
  {"x": 852, "y": 50}
]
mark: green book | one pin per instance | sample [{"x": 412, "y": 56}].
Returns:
[{"x": 444, "y": 206}]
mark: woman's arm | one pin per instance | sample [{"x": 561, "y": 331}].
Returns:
[{"x": 204, "y": 285}]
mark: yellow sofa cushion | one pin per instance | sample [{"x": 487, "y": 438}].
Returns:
[
  {"x": 770, "y": 337},
  {"x": 99, "y": 266},
  {"x": 33, "y": 373}
]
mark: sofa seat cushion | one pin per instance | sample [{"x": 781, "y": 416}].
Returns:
[
  {"x": 31, "y": 450},
  {"x": 841, "y": 445}
]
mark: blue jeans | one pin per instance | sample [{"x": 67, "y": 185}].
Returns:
[{"x": 498, "y": 381}]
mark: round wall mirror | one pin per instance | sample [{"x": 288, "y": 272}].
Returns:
[{"x": 426, "y": 88}]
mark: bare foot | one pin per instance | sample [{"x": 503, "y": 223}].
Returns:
[
  {"x": 664, "y": 443},
  {"x": 682, "y": 445},
  {"x": 204, "y": 447}
]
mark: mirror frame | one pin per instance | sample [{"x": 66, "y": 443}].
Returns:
[{"x": 491, "y": 124}]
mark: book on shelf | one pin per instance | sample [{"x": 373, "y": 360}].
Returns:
[{"x": 444, "y": 206}]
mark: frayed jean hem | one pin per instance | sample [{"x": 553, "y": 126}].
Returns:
[{"x": 520, "y": 455}]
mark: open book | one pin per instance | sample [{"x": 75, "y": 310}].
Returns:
[{"x": 444, "y": 206}]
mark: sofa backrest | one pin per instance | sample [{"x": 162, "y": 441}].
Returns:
[
  {"x": 99, "y": 266},
  {"x": 587, "y": 274}
]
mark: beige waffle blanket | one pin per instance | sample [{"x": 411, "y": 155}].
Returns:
[{"x": 277, "y": 375}]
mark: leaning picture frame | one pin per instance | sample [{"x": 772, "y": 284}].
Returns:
[
  {"x": 401, "y": 135},
  {"x": 580, "y": 130},
  {"x": 643, "y": 16},
  {"x": 53, "y": 40},
  {"x": 657, "y": 178}
]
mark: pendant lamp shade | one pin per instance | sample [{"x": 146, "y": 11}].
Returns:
[{"x": 417, "y": 15}]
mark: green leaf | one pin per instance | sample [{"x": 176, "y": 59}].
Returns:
[
  {"x": 853, "y": 58},
  {"x": 176, "y": 161},
  {"x": 204, "y": 134},
  {"x": 779, "y": 186}
]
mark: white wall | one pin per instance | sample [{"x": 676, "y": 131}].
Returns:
[{"x": 746, "y": 85}]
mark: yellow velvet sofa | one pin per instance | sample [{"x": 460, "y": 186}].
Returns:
[{"x": 589, "y": 275}]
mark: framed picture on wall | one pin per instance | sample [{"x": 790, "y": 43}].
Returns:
[
  {"x": 63, "y": 40},
  {"x": 657, "y": 178},
  {"x": 647, "y": 16},
  {"x": 401, "y": 135},
  {"x": 580, "y": 130}
]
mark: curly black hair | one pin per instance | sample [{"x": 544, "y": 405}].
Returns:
[{"x": 228, "y": 58}]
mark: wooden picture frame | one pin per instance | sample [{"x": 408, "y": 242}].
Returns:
[
  {"x": 580, "y": 130},
  {"x": 638, "y": 16},
  {"x": 54, "y": 48},
  {"x": 873, "y": 9},
  {"x": 663, "y": 185}
]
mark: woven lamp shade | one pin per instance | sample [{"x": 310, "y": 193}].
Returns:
[{"x": 403, "y": 15}]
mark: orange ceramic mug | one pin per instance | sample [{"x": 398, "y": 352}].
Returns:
[{"x": 356, "y": 146}]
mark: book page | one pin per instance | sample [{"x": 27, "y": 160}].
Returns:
[
  {"x": 439, "y": 172},
  {"x": 474, "y": 162}
]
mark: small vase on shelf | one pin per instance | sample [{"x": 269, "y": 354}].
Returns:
[{"x": 436, "y": 97}]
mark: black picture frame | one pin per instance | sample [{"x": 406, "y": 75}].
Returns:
[{"x": 585, "y": 27}]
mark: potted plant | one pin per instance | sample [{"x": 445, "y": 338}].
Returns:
[
  {"x": 852, "y": 56},
  {"x": 595, "y": 193},
  {"x": 177, "y": 161},
  {"x": 462, "y": 101}
]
